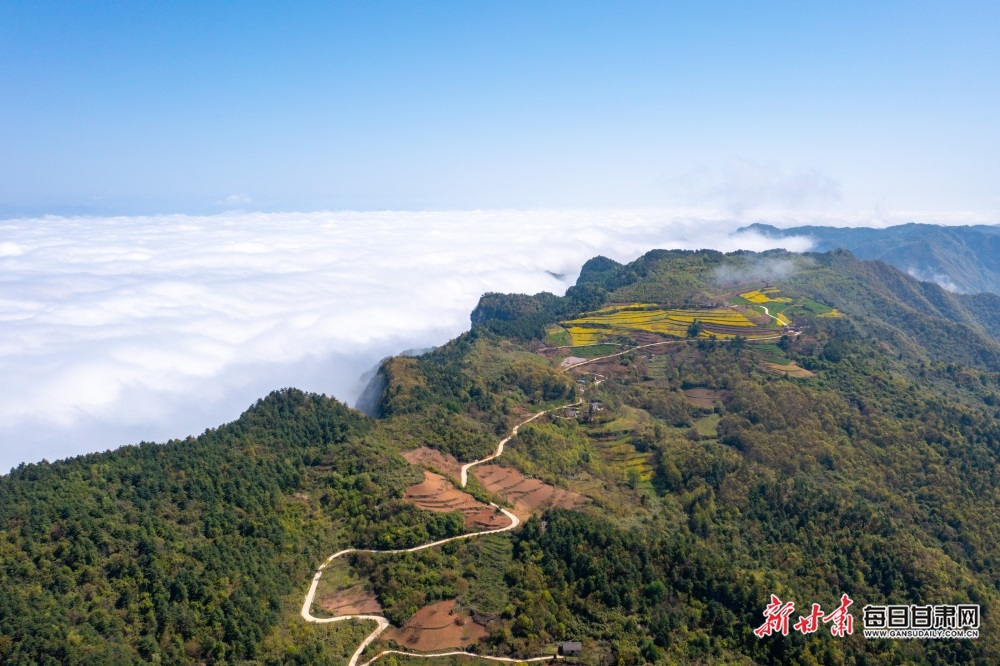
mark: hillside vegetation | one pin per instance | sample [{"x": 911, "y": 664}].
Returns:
[
  {"x": 854, "y": 454},
  {"x": 964, "y": 258}
]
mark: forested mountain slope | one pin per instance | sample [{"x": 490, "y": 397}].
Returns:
[
  {"x": 751, "y": 424},
  {"x": 963, "y": 258}
]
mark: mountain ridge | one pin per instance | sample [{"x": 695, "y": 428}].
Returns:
[
  {"x": 960, "y": 258},
  {"x": 843, "y": 438}
]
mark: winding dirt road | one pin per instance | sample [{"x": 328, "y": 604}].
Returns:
[
  {"x": 512, "y": 435},
  {"x": 768, "y": 313},
  {"x": 381, "y": 623},
  {"x": 509, "y": 660}
]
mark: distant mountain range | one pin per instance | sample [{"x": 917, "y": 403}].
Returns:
[{"x": 960, "y": 259}]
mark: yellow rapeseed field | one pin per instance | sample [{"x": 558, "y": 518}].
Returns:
[
  {"x": 583, "y": 336},
  {"x": 626, "y": 306},
  {"x": 596, "y": 326},
  {"x": 755, "y": 296},
  {"x": 765, "y": 296}
]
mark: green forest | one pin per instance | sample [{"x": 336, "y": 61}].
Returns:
[{"x": 875, "y": 473}]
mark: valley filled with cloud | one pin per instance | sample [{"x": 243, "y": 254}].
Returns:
[{"x": 119, "y": 330}]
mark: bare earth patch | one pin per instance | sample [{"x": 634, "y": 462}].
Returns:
[
  {"x": 436, "y": 493},
  {"x": 571, "y": 360},
  {"x": 355, "y": 600},
  {"x": 611, "y": 367},
  {"x": 527, "y": 495},
  {"x": 437, "y": 627},
  {"x": 647, "y": 338},
  {"x": 425, "y": 456},
  {"x": 703, "y": 397},
  {"x": 790, "y": 370}
]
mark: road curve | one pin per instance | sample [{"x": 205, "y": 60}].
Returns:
[
  {"x": 509, "y": 660},
  {"x": 768, "y": 313},
  {"x": 381, "y": 623},
  {"x": 512, "y": 435}
]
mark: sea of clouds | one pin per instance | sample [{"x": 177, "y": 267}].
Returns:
[{"x": 117, "y": 330}]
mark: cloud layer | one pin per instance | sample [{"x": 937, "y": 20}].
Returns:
[
  {"x": 744, "y": 184},
  {"x": 118, "y": 330}
]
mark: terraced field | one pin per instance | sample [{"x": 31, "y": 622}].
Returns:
[
  {"x": 771, "y": 352},
  {"x": 621, "y": 455},
  {"x": 527, "y": 495},
  {"x": 704, "y": 397},
  {"x": 435, "y": 461},
  {"x": 438, "y": 626},
  {"x": 620, "y": 320},
  {"x": 581, "y": 335},
  {"x": 436, "y": 493},
  {"x": 781, "y": 308},
  {"x": 767, "y": 295},
  {"x": 614, "y": 443},
  {"x": 790, "y": 369}
]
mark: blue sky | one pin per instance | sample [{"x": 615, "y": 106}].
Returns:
[
  {"x": 574, "y": 128},
  {"x": 195, "y": 107}
]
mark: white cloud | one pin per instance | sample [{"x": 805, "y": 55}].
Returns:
[
  {"x": 123, "y": 329},
  {"x": 11, "y": 250},
  {"x": 940, "y": 279},
  {"x": 743, "y": 185},
  {"x": 237, "y": 200}
]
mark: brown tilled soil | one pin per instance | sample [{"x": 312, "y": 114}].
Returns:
[
  {"x": 703, "y": 397},
  {"x": 791, "y": 370},
  {"x": 611, "y": 367},
  {"x": 528, "y": 495},
  {"x": 437, "y": 493},
  {"x": 428, "y": 457},
  {"x": 647, "y": 338},
  {"x": 437, "y": 627},
  {"x": 355, "y": 600}
]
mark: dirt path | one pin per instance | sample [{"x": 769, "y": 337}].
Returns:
[
  {"x": 768, "y": 313},
  {"x": 457, "y": 653},
  {"x": 381, "y": 623},
  {"x": 437, "y": 493},
  {"x": 654, "y": 344},
  {"x": 512, "y": 435}
]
